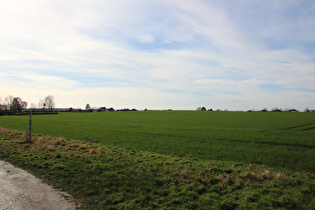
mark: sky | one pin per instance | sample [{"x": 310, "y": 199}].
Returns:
[{"x": 159, "y": 54}]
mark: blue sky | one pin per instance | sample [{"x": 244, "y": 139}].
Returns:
[{"x": 234, "y": 55}]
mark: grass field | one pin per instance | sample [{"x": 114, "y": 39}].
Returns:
[
  {"x": 280, "y": 140},
  {"x": 100, "y": 176}
]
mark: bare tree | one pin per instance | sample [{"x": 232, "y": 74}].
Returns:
[
  {"x": 1, "y": 107},
  {"x": 50, "y": 102},
  {"x": 23, "y": 105},
  {"x": 33, "y": 107},
  {"x": 9, "y": 101},
  {"x": 13, "y": 104},
  {"x": 41, "y": 104},
  {"x": 201, "y": 108},
  {"x": 5, "y": 106},
  {"x": 87, "y": 107},
  {"x": 18, "y": 105}
]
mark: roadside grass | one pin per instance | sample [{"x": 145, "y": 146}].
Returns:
[
  {"x": 101, "y": 176},
  {"x": 279, "y": 140}
]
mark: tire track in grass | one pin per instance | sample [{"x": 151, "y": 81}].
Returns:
[
  {"x": 310, "y": 128},
  {"x": 299, "y": 126},
  {"x": 243, "y": 141},
  {"x": 273, "y": 144}
]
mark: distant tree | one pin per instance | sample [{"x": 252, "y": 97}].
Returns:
[
  {"x": 23, "y": 105},
  {"x": 50, "y": 102},
  {"x": 9, "y": 101},
  {"x": 16, "y": 104},
  {"x": 306, "y": 110},
  {"x": 292, "y": 110},
  {"x": 276, "y": 110},
  {"x": 87, "y": 107},
  {"x": 33, "y": 107},
  {"x": 5, "y": 107},
  {"x": 1, "y": 105},
  {"x": 42, "y": 104},
  {"x": 102, "y": 109},
  {"x": 111, "y": 109}
]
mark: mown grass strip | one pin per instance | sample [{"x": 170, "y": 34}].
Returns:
[{"x": 109, "y": 177}]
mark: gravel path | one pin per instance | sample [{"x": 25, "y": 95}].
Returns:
[{"x": 21, "y": 190}]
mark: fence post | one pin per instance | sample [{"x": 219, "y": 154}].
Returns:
[{"x": 30, "y": 139}]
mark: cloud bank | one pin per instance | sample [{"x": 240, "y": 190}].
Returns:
[{"x": 160, "y": 54}]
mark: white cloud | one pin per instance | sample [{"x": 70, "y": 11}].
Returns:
[
  {"x": 211, "y": 52},
  {"x": 147, "y": 38},
  {"x": 30, "y": 80}
]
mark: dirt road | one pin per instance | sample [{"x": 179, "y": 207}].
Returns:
[{"x": 21, "y": 190}]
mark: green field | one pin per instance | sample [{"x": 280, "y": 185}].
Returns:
[
  {"x": 170, "y": 159},
  {"x": 280, "y": 140}
]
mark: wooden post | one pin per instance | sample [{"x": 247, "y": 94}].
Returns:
[{"x": 30, "y": 139}]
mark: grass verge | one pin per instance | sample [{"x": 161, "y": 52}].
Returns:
[{"x": 108, "y": 177}]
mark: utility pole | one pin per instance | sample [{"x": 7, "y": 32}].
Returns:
[{"x": 30, "y": 138}]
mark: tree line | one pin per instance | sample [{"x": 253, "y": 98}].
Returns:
[
  {"x": 88, "y": 108},
  {"x": 262, "y": 110},
  {"x": 12, "y": 105}
]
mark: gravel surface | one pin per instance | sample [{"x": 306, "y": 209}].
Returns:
[{"x": 21, "y": 190}]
